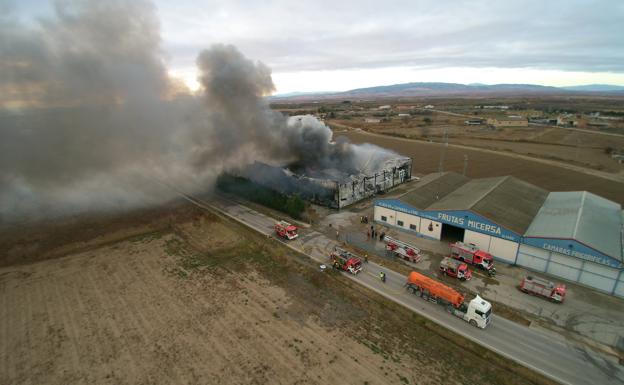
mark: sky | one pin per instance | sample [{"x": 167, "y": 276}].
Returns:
[{"x": 341, "y": 45}]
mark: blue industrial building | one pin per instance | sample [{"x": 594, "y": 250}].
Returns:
[{"x": 577, "y": 236}]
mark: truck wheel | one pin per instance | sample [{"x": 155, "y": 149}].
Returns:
[{"x": 473, "y": 323}]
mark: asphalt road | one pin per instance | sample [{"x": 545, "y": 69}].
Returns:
[{"x": 547, "y": 354}]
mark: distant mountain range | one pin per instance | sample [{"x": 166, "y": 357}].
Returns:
[
  {"x": 595, "y": 88},
  {"x": 453, "y": 89}
]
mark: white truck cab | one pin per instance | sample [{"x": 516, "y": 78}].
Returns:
[{"x": 479, "y": 312}]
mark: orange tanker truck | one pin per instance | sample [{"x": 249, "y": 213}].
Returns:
[{"x": 477, "y": 312}]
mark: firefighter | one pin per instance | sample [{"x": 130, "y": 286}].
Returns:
[
  {"x": 382, "y": 276},
  {"x": 365, "y": 258}
]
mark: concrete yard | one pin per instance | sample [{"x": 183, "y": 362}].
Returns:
[{"x": 586, "y": 314}]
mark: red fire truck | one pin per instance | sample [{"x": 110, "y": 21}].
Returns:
[
  {"x": 402, "y": 249},
  {"x": 286, "y": 230},
  {"x": 470, "y": 253},
  {"x": 543, "y": 288},
  {"x": 455, "y": 268},
  {"x": 343, "y": 260}
]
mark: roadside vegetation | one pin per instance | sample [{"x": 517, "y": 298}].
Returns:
[{"x": 292, "y": 205}]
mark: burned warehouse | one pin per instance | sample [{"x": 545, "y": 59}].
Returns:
[{"x": 332, "y": 187}]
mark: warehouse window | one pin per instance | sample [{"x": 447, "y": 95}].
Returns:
[
  {"x": 400, "y": 223},
  {"x": 385, "y": 219},
  {"x": 413, "y": 227}
]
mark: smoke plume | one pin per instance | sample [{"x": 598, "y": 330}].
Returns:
[{"x": 90, "y": 119}]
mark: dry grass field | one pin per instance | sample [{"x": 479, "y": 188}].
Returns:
[
  {"x": 205, "y": 301},
  {"x": 426, "y": 159},
  {"x": 579, "y": 148}
]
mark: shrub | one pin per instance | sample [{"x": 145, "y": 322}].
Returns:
[{"x": 292, "y": 205}]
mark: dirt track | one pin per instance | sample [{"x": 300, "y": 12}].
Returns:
[{"x": 426, "y": 158}]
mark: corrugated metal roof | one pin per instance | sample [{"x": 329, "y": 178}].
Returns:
[
  {"x": 583, "y": 216},
  {"x": 433, "y": 187},
  {"x": 512, "y": 204},
  {"x": 467, "y": 195},
  {"x": 507, "y": 201}
]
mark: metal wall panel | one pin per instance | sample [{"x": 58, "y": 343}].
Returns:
[
  {"x": 532, "y": 258},
  {"x": 503, "y": 249},
  {"x": 603, "y": 270},
  {"x": 564, "y": 266},
  {"x": 619, "y": 289},
  {"x": 566, "y": 260},
  {"x": 563, "y": 271},
  {"x": 481, "y": 240},
  {"x": 599, "y": 276},
  {"x": 597, "y": 281}
]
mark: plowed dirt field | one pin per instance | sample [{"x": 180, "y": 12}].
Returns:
[
  {"x": 426, "y": 159},
  {"x": 208, "y": 302}
]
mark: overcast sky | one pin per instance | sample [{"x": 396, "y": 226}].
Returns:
[{"x": 338, "y": 45}]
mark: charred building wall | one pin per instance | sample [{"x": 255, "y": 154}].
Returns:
[
  {"x": 330, "y": 192},
  {"x": 362, "y": 186}
]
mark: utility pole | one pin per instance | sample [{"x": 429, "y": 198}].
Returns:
[
  {"x": 441, "y": 165},
  {"x": 465, "y": 164},
  {"x": 443, "y": 151}
]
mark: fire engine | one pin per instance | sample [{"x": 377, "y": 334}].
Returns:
[
  {"x": 343, "y": 260},
  {"x": 286, "y": 230},
  {"x": 402, "y": 249},
  {"x": 455, "y": 268},
  {"x": 543, "y": 288},
  {"x": 470, "y": 253}
]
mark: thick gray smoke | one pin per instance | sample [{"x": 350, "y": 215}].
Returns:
[{"x": 90, "y": 119}]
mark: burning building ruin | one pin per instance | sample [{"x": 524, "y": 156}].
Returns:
[
  {"x": 334, "y": 173},
  {"x": 329, "y": 187}
]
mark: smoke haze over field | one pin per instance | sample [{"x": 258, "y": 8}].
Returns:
[{"x": 91, "y": 120}]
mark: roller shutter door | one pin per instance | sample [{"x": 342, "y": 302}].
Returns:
[
  {"x": 533, "y": 258},
  {"x": 503, "y": 249}
]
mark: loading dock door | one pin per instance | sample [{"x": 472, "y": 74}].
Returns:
[{"x": 452, "y": 233}]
